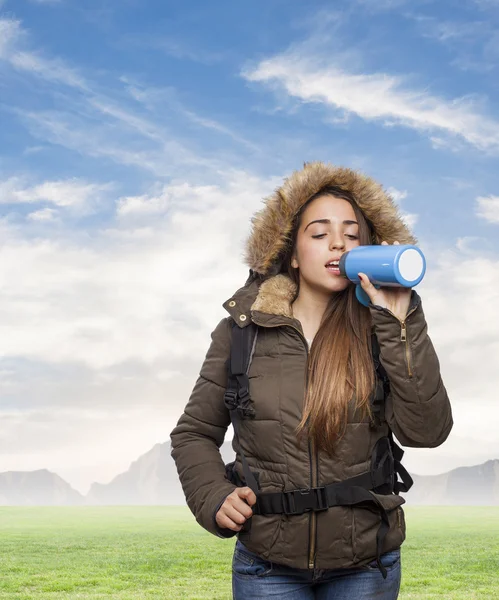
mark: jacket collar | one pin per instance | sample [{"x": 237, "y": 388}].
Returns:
[{"x": 267, "y": 302}]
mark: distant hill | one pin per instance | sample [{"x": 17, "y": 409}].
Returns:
[
  {"x": 465, "y": 485},
  {"x": 36, "y": 488},
  {"x": 152, "y": 480}
]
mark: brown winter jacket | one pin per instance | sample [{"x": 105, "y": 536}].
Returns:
[{"x": 417, "y": 409}]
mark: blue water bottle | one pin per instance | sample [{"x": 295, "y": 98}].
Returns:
[{"x": 386, "y": 266}]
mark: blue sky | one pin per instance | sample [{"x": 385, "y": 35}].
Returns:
[{"x": 138, "y": 138}]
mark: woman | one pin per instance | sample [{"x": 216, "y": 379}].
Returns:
[{"x": 311, "y": 383}]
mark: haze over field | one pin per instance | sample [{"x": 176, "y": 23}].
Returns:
[{"x": 152, "y": 480}]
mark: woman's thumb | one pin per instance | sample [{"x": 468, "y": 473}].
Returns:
[{"x": 248, "y": 494}]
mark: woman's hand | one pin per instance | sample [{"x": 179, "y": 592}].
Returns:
[
  {"x": 235, "y": 511},
  {"x": 395, "y": 299}
]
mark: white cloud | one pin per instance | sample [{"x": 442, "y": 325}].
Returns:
[
  {"x": 142, "y": 205},
  {"x": 450, "y": 31},
  {"x": 68, "y": 193},
  {"x": 156, "y": 99},
  {"x": 127, "y": 291},
  {"x": 488, "y": 208},
  {"x": 12, "y": 41},
  {"x": 33, "y": 150},
  {"x": 463, "y": 244},
  {"x": 44, "y": 215},
  {"x": 441, "y": 143},
  {"x": 102, "y": 139},
  {"x": 410, "y": 219},
  {"x": 375, "y": 97},
  {"x": 399, "y": 195},
  {"x": 47, "y": 69},
  {"x": 10, "y": 34}
]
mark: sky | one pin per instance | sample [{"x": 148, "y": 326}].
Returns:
[{"x": 137, "y": 138}]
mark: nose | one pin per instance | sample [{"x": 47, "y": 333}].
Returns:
[{"x": 337, "y": 242}]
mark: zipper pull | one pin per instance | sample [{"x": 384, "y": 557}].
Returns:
[{"x": 403, "y": 332}]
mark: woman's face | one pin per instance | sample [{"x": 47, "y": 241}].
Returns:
[{"x": 320, "y": 242}]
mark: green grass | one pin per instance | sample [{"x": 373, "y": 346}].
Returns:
[{"x": 161, "y": 552}]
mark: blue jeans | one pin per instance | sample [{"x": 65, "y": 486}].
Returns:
[{"x": 254, "y": 578}]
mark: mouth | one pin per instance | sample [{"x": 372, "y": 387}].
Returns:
[{"x": 332, "y": 267}]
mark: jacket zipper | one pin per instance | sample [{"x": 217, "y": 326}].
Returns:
[
  {"x": 403, "y": 336},
  {"x": 313, "y": 483},
  {"x": 313, "y": 467}
]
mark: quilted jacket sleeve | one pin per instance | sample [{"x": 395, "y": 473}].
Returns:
[
  {"x": 417, "y": 409},
  {"x": 199, "y": 433}
]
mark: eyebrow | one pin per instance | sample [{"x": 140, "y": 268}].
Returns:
[{"x": 328, "y": 221}]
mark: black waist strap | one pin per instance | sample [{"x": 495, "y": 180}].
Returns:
[{"x": 296, "y": 502}]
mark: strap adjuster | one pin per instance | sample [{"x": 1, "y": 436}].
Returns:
[
  {"x": 243, "y": 394},
  {"x": 230, "y": 398}
]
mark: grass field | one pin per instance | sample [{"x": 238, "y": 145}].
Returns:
[{"x": 161, "y": 552}]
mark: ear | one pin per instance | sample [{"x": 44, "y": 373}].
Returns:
[{"x": 294, "y": 262}]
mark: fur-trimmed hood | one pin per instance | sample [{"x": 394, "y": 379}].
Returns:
[{"x": 272, "y": 225}]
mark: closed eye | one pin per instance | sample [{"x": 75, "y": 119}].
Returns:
[{"x": 353, "y": 237}]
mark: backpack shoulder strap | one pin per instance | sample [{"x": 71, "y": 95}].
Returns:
[
  {"x": 382, "y": 388},
  {"x": 237, "y": 395},
  {"x": 378, "y": 406},
  {"x": 243, "y": 342}
]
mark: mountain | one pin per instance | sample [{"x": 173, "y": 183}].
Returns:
[
  {"x": 477, "y": 485},
  {"x": 37, "y": 488},
  {"x": 151, "y": 479}
]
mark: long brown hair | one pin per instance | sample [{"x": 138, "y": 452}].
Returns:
[{"x": 340, "y": 360}]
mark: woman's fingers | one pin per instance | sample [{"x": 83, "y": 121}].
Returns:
[
  {"x": 236, "y": 516},
  {"x": 224, "y": 522},
  {"x": 235, "y": 510}
]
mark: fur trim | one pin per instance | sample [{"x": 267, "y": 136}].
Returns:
[
  {"x": 272, "y": 226},
  {"x": 275, "y": 296}
]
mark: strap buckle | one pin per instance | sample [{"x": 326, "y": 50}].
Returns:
[
  {"x": 296, "y": 502},
  {"x": 230, "y": 398}
]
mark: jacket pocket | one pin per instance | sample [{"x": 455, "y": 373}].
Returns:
[
  {"x": 262, "y": 534},
  {"x": 365, "y": 525}
]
